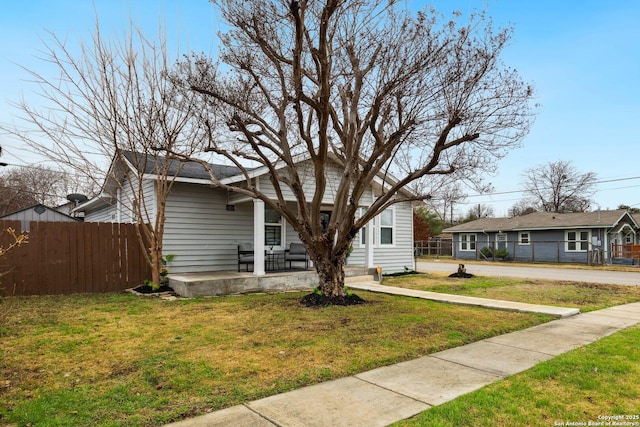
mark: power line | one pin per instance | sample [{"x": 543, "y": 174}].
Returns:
[{"x": 499, "y": 193}]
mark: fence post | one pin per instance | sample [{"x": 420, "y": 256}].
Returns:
[{"x": 533, "y": 251}]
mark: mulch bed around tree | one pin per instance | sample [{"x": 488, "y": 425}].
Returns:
[
  {"x": 315, "y": 300},
  {"x": 402, "y": 273},
  {"x": 462, "y": 275},
  {"x": 147, "y": 290}
]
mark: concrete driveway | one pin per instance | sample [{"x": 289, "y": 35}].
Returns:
[{"x": 552, "y": 273}]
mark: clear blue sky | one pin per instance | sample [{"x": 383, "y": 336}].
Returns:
[{"x": 583, "y": 58}]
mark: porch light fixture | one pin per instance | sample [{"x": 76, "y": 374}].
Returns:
[{"x": 231, "y": 208}]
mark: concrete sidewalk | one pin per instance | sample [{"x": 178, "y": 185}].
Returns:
[
  {"x": 470, "y": 301},
  {"x": 392, "y": 393}
]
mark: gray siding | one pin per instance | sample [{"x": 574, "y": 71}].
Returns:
[
  {"x": 105, "y": 214},
  {"x": 25, "y": 216},
  {"x": 333, "y": 176},
  {"x": 124, "y": 212},
  {"x": 393, "y": 258},
  {"x": 199, "y": 230}
]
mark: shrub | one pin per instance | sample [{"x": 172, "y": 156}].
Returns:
[{"x": 500, "y": 253}]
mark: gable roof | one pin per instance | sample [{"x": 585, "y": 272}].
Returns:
[
  {"x": 42, "y": 208},
  {"x": 546, "y": 221},
  {"x": 148, "y": 164},
  {"x": 192, "y": 172}
]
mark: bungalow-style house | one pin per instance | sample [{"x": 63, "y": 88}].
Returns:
[
  {"x": 206, "y": 226},
  {"x": 591, "y": 237},
  {"x": 38, "y": 213}
]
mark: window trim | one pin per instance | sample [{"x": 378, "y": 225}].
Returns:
[
  {"x": 281, "y": 224},
  {"x": 391, "y": 209},
  {"x": 520, "y": 238},
  {"x": 376, "y": 223},
  {"x": 467, "y": 242},
  {"x": 578, "y": 241}
]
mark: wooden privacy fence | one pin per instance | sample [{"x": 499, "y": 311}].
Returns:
[{"x": 70, "y": 257}]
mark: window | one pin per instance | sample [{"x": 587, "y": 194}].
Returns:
[
  {"x": 383, "y": 228},
  {"x": 577, "y": 241},
  {"x": 325, "y": 219},
  {"x": 524, "y": 238},
  {"x": 467, "y": 242},
  {"x": 386, "y": 227},
  {"x": 272, "y": 227}
]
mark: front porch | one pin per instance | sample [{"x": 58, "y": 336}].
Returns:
[{"x": 218, "y": 283}]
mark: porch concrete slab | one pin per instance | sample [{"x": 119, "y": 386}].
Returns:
[
  {"x": 428, "y": 379},
  {"x": 344, "y": 402},
  {"x": 235, "y": 416},
  {"x": 497, "y": 359},
  {"x": 560, "y": 312}
]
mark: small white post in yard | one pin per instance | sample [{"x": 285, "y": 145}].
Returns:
[{"x": 258, "y": 237}]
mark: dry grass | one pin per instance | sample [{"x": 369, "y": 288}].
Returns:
[
  {"x": 573, "y": 266},
  {"x": 121, "y": 360},
  {"x": 585, "y": 296}
]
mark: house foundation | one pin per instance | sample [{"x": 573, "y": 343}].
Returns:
[{"x": 219, "y": 283}]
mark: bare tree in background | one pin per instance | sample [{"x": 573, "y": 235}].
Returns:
[
  {"x": 382, "y": 91},
  {"x": 559, "y": 187},
  {"x": 478, "y": 211},
  {"x": 445, "y": 198},
  {"x": 522, "y": 207},
  {"x": 24, "y": 186},
  {"x": 114, "y": 101}
]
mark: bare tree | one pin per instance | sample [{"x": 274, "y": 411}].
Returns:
[
  {"x": 632, "y": 210},
  {"x": 444, "y": 198},
  {"x": 24, "y": 186},
  {"x": 114, "y": 102},
  {"x": 389, "y": 94},
  {"x": 522, "y": 207},
  {"x": 559, "y": 187},
  {"x": 478, "y": 211}
]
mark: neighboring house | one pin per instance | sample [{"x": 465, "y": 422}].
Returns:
[
  {"x": 39, "y": 213},
  {"x": 204, "y": 225},
  {"x": 551, "y": 237}
]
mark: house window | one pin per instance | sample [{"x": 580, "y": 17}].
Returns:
[
  {"x": 387, "y": 221},
  {"x": 577, "y": 241},
  {"x": 524, "y": 238},
  {"x": 272, "y": 227},
  {"x": 383, "y": 228},
  {"x": 467, "y": 242}
]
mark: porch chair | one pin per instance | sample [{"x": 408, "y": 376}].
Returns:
[
  {"x": 245, "y": 255},
  {"x": 296, "y": 252}
]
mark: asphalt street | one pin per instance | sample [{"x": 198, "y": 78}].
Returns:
[{"x": 570, "y": 274}]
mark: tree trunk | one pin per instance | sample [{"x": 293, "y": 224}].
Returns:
[
  {"x": 155, "y": 257},
  {"x": 331, "y": 276}
]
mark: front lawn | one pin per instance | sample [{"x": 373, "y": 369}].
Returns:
[
  {"x": 120, "y": 360},
  {"x": 585, "y": 296}
]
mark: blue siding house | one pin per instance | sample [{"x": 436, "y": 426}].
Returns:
[{"x": 585, "y": 237}]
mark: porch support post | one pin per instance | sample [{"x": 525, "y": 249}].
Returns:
[
  {"x": 258, "y": 237},
  {"x": 368, "y": 247}
]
